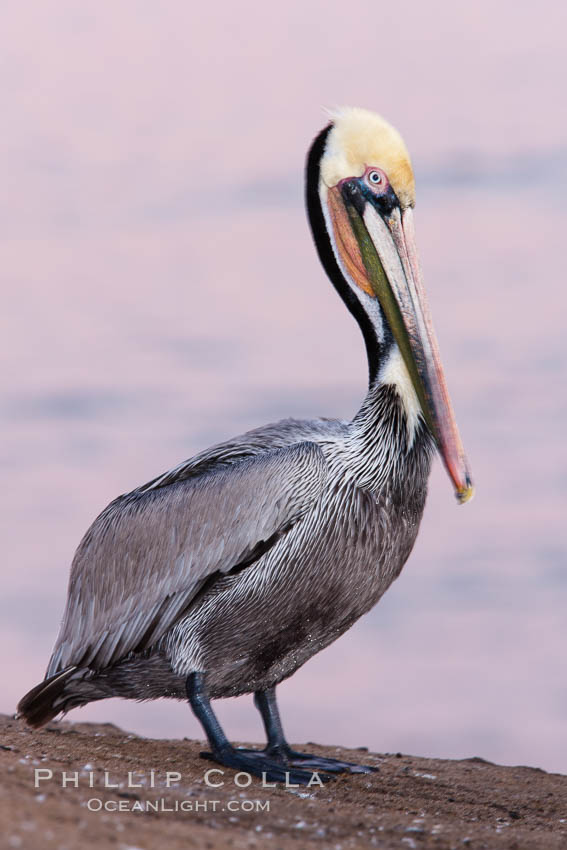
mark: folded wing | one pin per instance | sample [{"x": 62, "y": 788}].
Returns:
[{"x": 149, "y": 552}]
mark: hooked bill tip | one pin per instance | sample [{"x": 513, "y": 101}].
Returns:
[{"x": 465, "y": 493}]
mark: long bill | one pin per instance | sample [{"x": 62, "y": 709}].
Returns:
[{"x": 387, "y": 259}]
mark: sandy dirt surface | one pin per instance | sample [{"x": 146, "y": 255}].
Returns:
[{"x": 409, "y": 803}]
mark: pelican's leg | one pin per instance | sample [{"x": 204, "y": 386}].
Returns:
[
  {"x": 250, "y": 761},
  {"x": 279, "y": 749}
]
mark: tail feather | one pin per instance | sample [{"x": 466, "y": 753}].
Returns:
[{"x": 44, "y": 702}]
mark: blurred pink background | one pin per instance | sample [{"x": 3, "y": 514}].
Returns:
[{"x": 160, "y": 292}]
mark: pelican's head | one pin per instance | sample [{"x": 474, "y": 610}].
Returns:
[{"x": 360, "y": 198}]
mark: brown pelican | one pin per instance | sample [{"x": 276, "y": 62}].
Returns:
[{"x": 224, "y": 575}]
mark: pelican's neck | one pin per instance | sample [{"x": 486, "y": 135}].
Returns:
[{"x": 389, "y": 436}]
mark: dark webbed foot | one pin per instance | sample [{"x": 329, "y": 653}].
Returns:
[
  {"x": 309, "y": 761},
  {"x": 260, "y": 763},
  {"x": 277, "y": 762},
  {"x": 280, "y": 751}
]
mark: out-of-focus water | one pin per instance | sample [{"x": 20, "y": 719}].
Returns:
[{"x": 160, "y": 292}]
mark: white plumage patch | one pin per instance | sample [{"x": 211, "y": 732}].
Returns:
[{"x": 395, "y": 373}]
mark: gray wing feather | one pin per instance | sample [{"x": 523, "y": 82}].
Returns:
[{"x": 147, "y": 555}]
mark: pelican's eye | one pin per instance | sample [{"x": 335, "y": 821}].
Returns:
[{"x": 376, "y": 180}]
